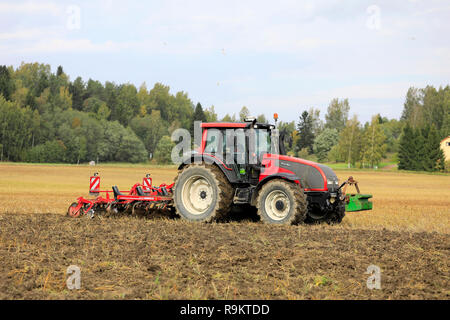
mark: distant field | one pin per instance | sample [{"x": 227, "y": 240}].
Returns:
[
  {"x": 406, "y": 235},
  {"x": 381, "y": 166}
]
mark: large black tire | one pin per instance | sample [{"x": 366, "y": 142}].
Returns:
[
  {"x": 281, "y": 202},
  {"x": 202, "y": 193},
  {"x": 333, "y": 216}
]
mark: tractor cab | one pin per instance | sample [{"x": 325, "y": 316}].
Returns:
[{"x": 240, "y": 147}]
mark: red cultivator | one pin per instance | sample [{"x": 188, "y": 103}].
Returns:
[{"x": 141, "y": 199}]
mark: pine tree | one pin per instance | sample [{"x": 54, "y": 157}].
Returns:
[
  {"x": 435, "y": 159},
  {"x": 6, "y": 83},
  {"x": 59, "y": 71},
  {"x": 305, "y": 130},
  {"x": 199, "y": 115},
  {"x": 406, "y": 149},
  {"x": 419, "y": 154}
]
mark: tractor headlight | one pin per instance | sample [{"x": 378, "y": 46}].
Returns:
[{"x": 332, "y": 183}]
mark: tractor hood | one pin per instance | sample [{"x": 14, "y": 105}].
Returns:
[{"x": 313, "y": 176}]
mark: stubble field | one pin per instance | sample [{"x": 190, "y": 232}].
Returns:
[{"x": 406, "y": 235}]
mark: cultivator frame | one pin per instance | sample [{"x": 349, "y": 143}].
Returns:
[{"x": 141, "y": 199}]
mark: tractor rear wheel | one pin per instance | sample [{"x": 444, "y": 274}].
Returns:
[
  {"x": 202, "y": 193},
  {"x": 281, "y": 202}
]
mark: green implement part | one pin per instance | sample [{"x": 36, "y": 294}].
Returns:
[{"x": 358, "y": 202}]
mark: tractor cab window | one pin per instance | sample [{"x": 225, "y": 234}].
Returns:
[
  {"x": 215, "y": 141},
  {"x": 262, "y": 142}
]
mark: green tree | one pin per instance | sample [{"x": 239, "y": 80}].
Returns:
[
  {"x": 16, "y": 128},
  {"x": 406, "y": 151},
  {"x": 94, "y": 88},
  {"x": 164, "y": 150},
  {"x": 48, "y": 152},
  {"x": 412, "y": 107},
  {"x": 419, "y": 156},
  {"x": 337, "y": 114},
  {"x": 77, "y": 89},
  {"x": 127, "y": 105},
  {"x": 324, "y": 142},
  {"x": 348, "y": 148},
  {"x": 150, "y": 129},
  {"x": 160, "y": 99},
  {"x": 317, "y": 123},
  {"x": 92, "y": 104},
  {"x": 261, "y": 118},
  {"x": 6, "y": 83},
  {"x": 183, "y": 109},
  {"x": 199, "y": 115},
  {"x": 392, "y": 130},
  {"x": 59, "y": 71},
  {"x": 434, "y": 156},
  {"x": 227, "y": 118},
  {"x": 427, "y": 106},
  {"x": 244, "y": 113},
  {"x": 305, "y": 131},
  {"x": 290, "y": 136},
  {"x": 131, "y": 148},
  {"x": 210, "y": 114},
  {"x": 373, "y": 143}
]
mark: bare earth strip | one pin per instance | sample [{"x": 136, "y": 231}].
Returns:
[{"x": 171, "y": 259}]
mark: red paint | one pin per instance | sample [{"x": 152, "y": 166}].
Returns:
[
  {"x": 223, "y": 125},
  {"x": 94, "y": 184},
  {"x": 269, "y": 161},
  {"x": 204, "y": 135}
]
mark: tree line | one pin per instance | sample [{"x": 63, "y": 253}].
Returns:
[
  {"x": 413, "y": 140},
  {"x": 46, "y": 117}
]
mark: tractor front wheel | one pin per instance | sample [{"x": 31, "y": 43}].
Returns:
[{"x": 281, "y": 202}]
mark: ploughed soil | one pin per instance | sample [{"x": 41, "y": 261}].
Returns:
[{"x": 135, "y": 258}]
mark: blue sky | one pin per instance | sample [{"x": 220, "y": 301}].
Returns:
[{"x": 271, "y": 56}]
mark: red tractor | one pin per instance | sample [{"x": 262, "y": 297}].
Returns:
[{"x": 245, "y": 163}]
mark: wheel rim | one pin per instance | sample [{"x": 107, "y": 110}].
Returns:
[
  {"x": 277, "y": 205},
  {"x": 197, "y": 195},
  {"x": 73, "y": 212}
]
